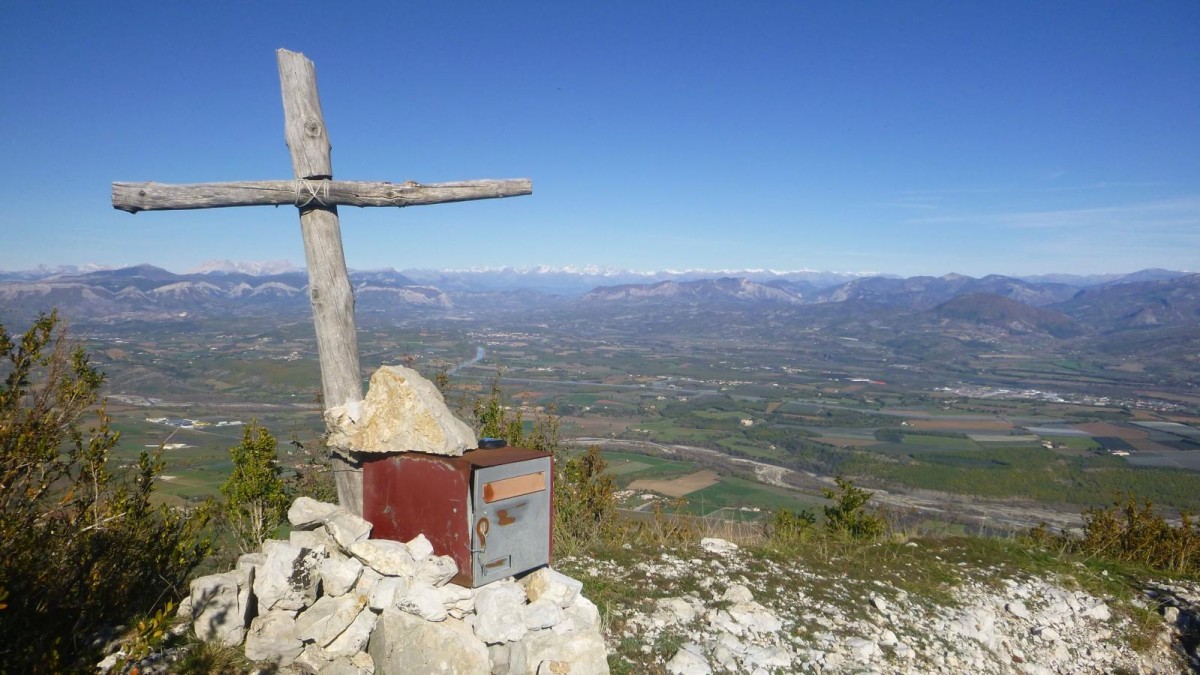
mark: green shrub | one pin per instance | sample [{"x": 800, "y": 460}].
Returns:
[
  {"x": 84, "y": 548},
  {"x": 256, "y": 498},
  {"x": 848, "y": 515},
  {"x": 788, "y": 530},
  {"x": 1130, "y": 530}
]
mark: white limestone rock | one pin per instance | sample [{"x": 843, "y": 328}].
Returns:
[
  {"x": 354, "y": 638},
  {"x": 552, "y": 585},
  {"x": 436, "y": 570},
  {"x": 689, "y": 660},
  {"x": 424, "y": 601},
  {"x": 457, "y": 600},
  {"x": 498, "y": 612},
  {"x": 250, "y": 560},
  {"x": 672, "y": 611},
  {"x": 403, "y": 644},
  {"x": 737, "y": 593},
  {"x": 390, "y": 558},
  {"x": 314, "y": 539},
  {"x": 384, "y": 593},
  {"x": 338, "y": 575},
  {"x": 288, "y": 579},
  {"x": 272, "y": 637},
  {"x": 543, "y": 613},
  {"x": 347, "y": 528},
  {"x": 1017, "y": 609},
  {"x": 217, "y": 614},
  {"x": 718, "y": 546},
  {"x": 307, "y": 512},
  {"x": 328, "y": 617},
  {"x": 419, "y": 547},
  {"x": 568, "y": 648},
  {"x": 402, "y": 412}
]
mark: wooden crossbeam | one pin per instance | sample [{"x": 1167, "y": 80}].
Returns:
[
  {"x": 317, "y": 196},
  {"x": 134, "y": 197}
]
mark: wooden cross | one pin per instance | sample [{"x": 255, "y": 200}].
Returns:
[{"x": 317, "y": 196}]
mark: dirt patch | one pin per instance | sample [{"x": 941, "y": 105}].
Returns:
[
  {"x": 943, "y": 424},
  {"x": 1117, "y": 430},
  {"x": 678, "y": 487},
  {"x": 773, "y": 406}
]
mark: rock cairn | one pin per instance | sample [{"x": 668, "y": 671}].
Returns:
[{"x": 331, "y": 600}]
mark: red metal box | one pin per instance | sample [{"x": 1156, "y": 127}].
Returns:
[{"x": 490, "y": 509}]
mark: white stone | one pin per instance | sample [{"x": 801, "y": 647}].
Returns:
[
  {"x": 364, "y": 662},
  {"x": 718, "y": 546},
  {"x": 402, "y": 412},
  {"x": 250, "y": 560},
  {"x": 419, "y": 547},
  {"x": 288, "y": 579},
  {"x": 403, "y": 644},
  {"x": 328, "y": 617},
  {"x": 314, "y": 539},
  {"x": 498, "y": 612},
  {"x": 737, "y": 593},
  {"x": 217, "y": 616},
  {"x": 307, "y": 512},
  {"x": 552, "y": 585},
  {"x": 367, "y": 580},
  {"x": 755, "y": 617},
  {"x": 424, "y": 601},
  {"x": 384, "y": 593},
  {"x": 1017, "y": 609},
  {"x": 1100, "y": 612},
  {"x": 457, "y": 600},
  {"x": 272, "y": 637},
  {"x": 541, "y": 614},
  {"x": 1171, "y": 615},
  {"x": 436, "y": 570},
  {"x": 347, "y": 528},
  {"x": 338, "y": 575},
  {"x": 354, "y": 638},
  {"x": 312, "y": 659},
  {"x": 771, "y": 657},
  {"x": 580, "y": 652},
  {"x": 674, "y": 611},
  {"x": 385, "y": 556},
  {"x": 687, "y": 662},
  {"x": 584, "y": 612},
  {"x": 880, "y": 603},
  {"x": 1046, "y": 633}
]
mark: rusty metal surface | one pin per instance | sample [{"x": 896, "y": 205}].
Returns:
[
  {"x": 407, "y": 494},
  {"x": 410, "y": 494},
  {"x": 495, "y": 456}
]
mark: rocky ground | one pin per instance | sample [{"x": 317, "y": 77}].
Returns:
[{"x": 918, "y": 607}]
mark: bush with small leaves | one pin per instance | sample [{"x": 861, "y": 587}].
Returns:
[
  {"x": 85, "y": 549},
  {"x": 848, "y": 515}
]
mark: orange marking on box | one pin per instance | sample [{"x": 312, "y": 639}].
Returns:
[{"x": 516, "y": 486}]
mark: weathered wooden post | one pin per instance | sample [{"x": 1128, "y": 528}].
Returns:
[{"x": 317, "y": 196}]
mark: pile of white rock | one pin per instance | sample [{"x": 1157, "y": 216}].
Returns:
[
  {"x": 332, "y": 600},
  {"x": 731, "y": 611}
]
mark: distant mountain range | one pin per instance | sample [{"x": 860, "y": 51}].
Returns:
[{"x": 1051, "y": 304}]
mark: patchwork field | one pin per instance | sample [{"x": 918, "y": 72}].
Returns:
[{"x": 678, "y": 487}]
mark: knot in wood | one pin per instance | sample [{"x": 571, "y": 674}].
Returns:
[{"x": 312, "y": 127}]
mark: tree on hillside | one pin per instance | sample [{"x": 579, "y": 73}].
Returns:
[
  {"x": 256, "y": 498},
  {"x": 84, "y": 547}
]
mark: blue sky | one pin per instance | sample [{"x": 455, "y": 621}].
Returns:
[{"x": 907, "y": 138}]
